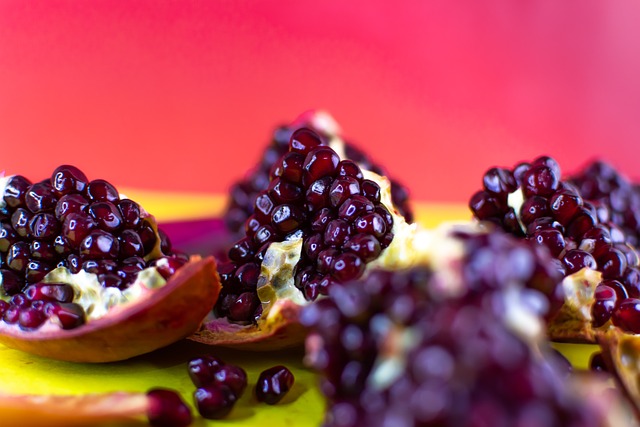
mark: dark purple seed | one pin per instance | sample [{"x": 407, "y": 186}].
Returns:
[
  {"x": 44, "y": 226},
  {"x": 99, "y": 244},
  {"x": 365, "y": 246},
  {"x": 214, "y": 402},
  {"x": 596, "y": 241},
  {"x": 106, "y": 216},
  {"x": 263, "y": 208},
  {"x": 551, "y": 239},
  {"x": 347, "y": 266},
  {"x": 544, "y": 223},
  {"x": 499, "y": 181},
  {"x": 76, "y": 227},
  {"x": 130, "y": 244},
  {"x": 485, "y": 206},
  {"x": 169, "y": 265},
  {"x": 575, "y": 260},
  {"x": 321, "y": 219},
  {"x": 349, "y": 168},
  {"x": 8, "y": 236},
  {"x": 317, "y": 195},
  {"x": 342, "y": 188},
  {"x": 583, "y": 221},
  {"x": 251, "y": 226},
  {"x": 19, "y": 300},
  {"x": 130, "y": 213},
  {"x": 320, "y": 162},
  {"x": 355, "y": 206},
  {"x": 371, "y": 223},
  {"x": 605, "y": 302},
  {"x": 36, "y": 270},
  {"x": 313, "y": 245},
  {"x": 242, "y": 309},
  {"x": 264, "y": 234},
  {"x": 3, "y": 308},
  {"x": 533, "y": 208},
  {"x": 60, "y": 246},
  {"x": 326, "y": 260},
  {"x": 242, "y": 251},
  {"x": 303, "y": 275},
  {"x": 111, "y": 280},
  {"x": 539, "y": 181},
  {"x": 287, "y": 218},
  {"x": 68, "y": 179},
  {"x": 20, "y": 222},
  {"x": 303, "y": 141},
  {"x": 627, "y": 315},
  {"x": 18, "y": 256},
  {"x": 11, "y": 315},
  {"x": 74, "y": 263},
  {"x": 597, "y": 363},
  {"x": 247, "y": 276},
  {"x": 99, "y": 266},
  {"x": 167, "y": 409},
  {"x": 273, "y": 384},
  {"x": 100, "y": 190},
  {"x": 291, "y": 167},
  {"x": 371, "y": 190},
  {"x": 15, "y": 190},
  {"x": 49, "y": 292},
  {"x": 612, "y": 264},
  {"x": 201, "y": 370},
  {"x": 11, "y": 283},
  {"x": 337, "y": 233},
  {"x": 233, "y": 377},
  {"x": 40, "y": 198},
  {"x": 30, "y": 318},
  {"x": 70, "y": 203},
  {"x": 564, "y": 205},
  {"x": 282, "y": 191}
]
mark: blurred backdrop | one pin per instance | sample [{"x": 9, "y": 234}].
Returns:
[{"x": 182, "y": 95}]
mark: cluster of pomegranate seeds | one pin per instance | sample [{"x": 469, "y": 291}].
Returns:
[
  {"x": 69, "y": 221},
  {"x": 244, "y": 193},
  {"x": 219, "y": 385},
  {"x": 393, "y": 350},
  {"x": 315, "y": 195},
  {"x": 578, "y": 231},
  {"x": 273, "y": 384},
  {"x": 167, "y": 409}
]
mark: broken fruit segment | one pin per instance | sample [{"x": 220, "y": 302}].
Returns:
[
  {"x": 320, "y": 221},
  {"x": 244, "y": 193},
  {"x": 161, "y": 407},
  {"x": 586, "y": 222},
  {"x": 87, "y": 276},
  {"x": 458, "y": 343}
]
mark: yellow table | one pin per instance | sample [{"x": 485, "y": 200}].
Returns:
[{"x": 303, "y": 406}]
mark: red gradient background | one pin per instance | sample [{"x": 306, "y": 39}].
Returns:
[{"x": 183, "y": 94}]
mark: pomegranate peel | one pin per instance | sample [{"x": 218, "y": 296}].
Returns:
[{"x": 159, "y": 317}]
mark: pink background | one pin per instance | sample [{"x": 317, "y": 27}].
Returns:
[{"x": 182, "y": 95}]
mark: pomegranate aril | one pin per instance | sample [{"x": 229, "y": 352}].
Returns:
[
  {"x": 273, "y": 384},
  {"x": 100, "y": 190},
  {"x": 365, "y": 246},
  {"x": 130, "y": 244},
  {"x": 337, "y": 233},
  {"x": 68, "y": 179},
  {"x": 66, "y": 315},
  {"x": 214, "y": 401},
  {"x": 564, "y": 205},
  {"x": 167, "y": 409},
  {"x": 202, "y": 369},
  {"x": 317, "y": 195},
  {"x": 342, "y": 188},
  {"x": 291, "y": 167},
  {"x": 287, "y": 218},
  {"x": 612, "y": 264},
  {"x": 533, "y": 208},
  {"x": 282, "y": 191},
  {"x": 20, "y": 220},
  {"x": 602, "y": 308},
  {"x": 347, "y": 266},
  {"x": 244, "y": 306},
  {"x": 49, "y": 292},
  {"x": 231, "y": 376},
  {"x": 44, "y": 226},
  {"x": 575, "y": 260},
  {"x": 40, "y": 198},
  {"x": 70, "y": 203},
  {"x": 36, "y": 270},
  {"x": 148, "y": 236},
  {"x": 15, "y": 191},
  {"x": 106, "y": 216},
  {"x": 17, "y": 256},
  {"x": 11, "y": 282},
  {"x": 627, "y": 315},
  {"x": 242, "y": 251},
  {"x": 371, "y": 190},
  {"x": 320, "y": 162},
  {"x": 349, "y": 168},
  {"x": 355, "y": 206},
  {"x": 76, "y": 227},
  {"x": 30, "y": 318},
  {"x": 130, "y": 212},
  {"x": 499, "y": 181},
  {"x": 42, "y": 250},
  {"x": 12, "y": 314},
  {"x": 371, "y": 223},
  {"x": 99, "y": 244},
  {"x": 539, "y": 180},
  {"x": 8, "y": 236},
  {"x": 551, "y": 239},
  {"x": 303, "y": 141}
]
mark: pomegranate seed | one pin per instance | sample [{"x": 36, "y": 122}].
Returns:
[{"x": 273, "y": 384}]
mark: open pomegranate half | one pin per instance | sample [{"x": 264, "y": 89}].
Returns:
[
  {"x": 87, "y": 276},
  {"x": 320, "y": 219},
  {"x": 589, "y": 222}
]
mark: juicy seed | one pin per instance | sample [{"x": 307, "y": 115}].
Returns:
[
  {"x": 167, "y": 409},
  {"x": 273, "y": 384},
  {"x": 214, "y": 402}
]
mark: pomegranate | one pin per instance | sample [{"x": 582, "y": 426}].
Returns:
[
  {"x": 273, "y": 384},
  {"x": 160, "y": 407},
  {"x": 457, "y": 343},
  {"x": 322, "y": 219},
  {"x": 243, "y": 193},
  {"x": 87, "y": 276}
]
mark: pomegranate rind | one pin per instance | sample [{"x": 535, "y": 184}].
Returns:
[
  {"x": 158, "y": 318},
  {"x": 621, "y": 353},
  {"x": 280, "y": 330},
  {"x": 73, "y": 410}
]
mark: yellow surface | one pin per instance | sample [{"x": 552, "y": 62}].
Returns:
[{"x": 304, "y": 406}]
